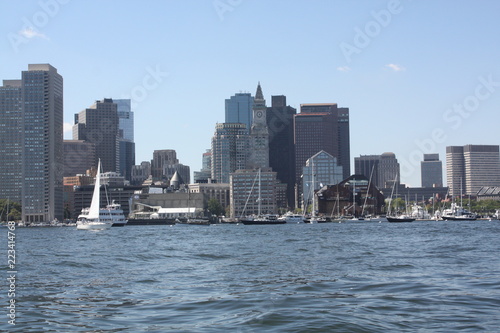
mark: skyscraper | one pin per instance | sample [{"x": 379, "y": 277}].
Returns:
[
  {"x": 11, "y": 140},
  {"x": 79, "y": 156},
  {"x": 368, "y": 165},
  {"x": 314, "y": 132},
  {"x": 162, "y": 158},
  {"x": 341, "y": 131},
  {"x": 383, "y": 169},
  {"x": 281, "y": 146},
  {"x": 98, "y": 124},
  {"x": 42, "y": 176},
  {"x": 431, "y": 171},
  {"x": 229, "y": 150},
  {"x": 205, "y": 174},
  {"x": 471, "y": 167},
  {"x": 126, "y": 145},
  {"x": 259, "y": 134},
  {"x": 389, "y": 170},
  {"x": 239, "y": 109}
]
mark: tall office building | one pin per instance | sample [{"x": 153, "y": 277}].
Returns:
[
  {"x": 431, "y": 171},
  {"x": 79, "y": 156},
  {"x": 161, "y": 159},
  {"x": 259, "y": 134},
  {"x": 239, "y": 109},
  {"x": 281, "y": 146},
  {"x": 98, "y": 124},
  {"x": 140, "y": 173},
  {"x": 383, "y": 169},
  {"x": 341, "y": 131},
  {"x": 205, "y": 174},
  {"x": 126, "y": 145},
  {"x": 471, "y": 167},
  {"x": 229, "y": 150},
  {"x": 42, "y": 176},
  {"x": 314, "y": 132},
  {"x": 389, "y": 170},
  {"x": 368, "y": 166},
  {"x": 11, "y": 140}
]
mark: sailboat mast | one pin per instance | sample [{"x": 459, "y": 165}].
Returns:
[
  {"x": 259, "y": 198},
  {"x": 313, "y": 213}
]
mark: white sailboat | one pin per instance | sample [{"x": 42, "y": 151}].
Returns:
[
  {"x": 393, "y": 216},
  {"x": 91, "y": 219}
]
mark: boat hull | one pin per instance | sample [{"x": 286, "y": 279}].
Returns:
[
  {"x": 93, "y": 225},
  {"x": 399, "y": 219},
  {"x": 458, "y": 218},
  {"x": 259, "y": 222}
]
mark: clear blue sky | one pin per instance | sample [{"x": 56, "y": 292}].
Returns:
[{"x": 417, "y": 75}]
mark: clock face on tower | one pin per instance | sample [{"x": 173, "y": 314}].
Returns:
[{"x": 258, "y": 114}]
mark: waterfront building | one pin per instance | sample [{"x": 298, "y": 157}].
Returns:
[
  {"x": 431, "y": 171},
  {"x": 249, "y": 188},
  {"x": 321, "y": 169},
  {"x": 167, "y": 204},
  {"x": 471, "y": 167},
  {"x": 281, "y": 146},
  {"x": 353, "y": 196},
  {"x": 98, "y": 124},
  {"x": 79, "y": 156},
  {"x": 259, "y": 134},
  {"x": 238, "y": 109},
  {"x": 229, "y": 150},
  {"x": 11, "y": 139},
  {"x": 219, "y": 192},
  {"x": 42, "y": 169}
]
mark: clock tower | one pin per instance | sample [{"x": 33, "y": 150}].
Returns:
[{"x": 259, "y": 133}]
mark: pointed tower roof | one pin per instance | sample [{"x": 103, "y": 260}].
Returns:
[
  {"x": 258, "y": 94},
  {"x": 177, "y": 178}
]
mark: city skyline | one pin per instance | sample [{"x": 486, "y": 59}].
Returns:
[{"x": 414, "y": 83}]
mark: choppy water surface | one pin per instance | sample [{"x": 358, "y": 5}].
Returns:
[{"x": 349, "y": 277}]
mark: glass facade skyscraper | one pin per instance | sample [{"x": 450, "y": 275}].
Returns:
[{"x": 239, "y": 109}]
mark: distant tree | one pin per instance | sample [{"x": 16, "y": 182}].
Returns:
[
  {"x": 214, "y": 207},
  {"x": 12, "y": 207}
]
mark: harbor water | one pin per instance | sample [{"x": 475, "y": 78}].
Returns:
[{"x": 334, "y": 277}]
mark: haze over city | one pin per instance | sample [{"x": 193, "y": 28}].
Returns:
[{"x": 416, "y": 77}]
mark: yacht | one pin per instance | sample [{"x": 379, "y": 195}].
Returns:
[{"x": 96, "y": 218}]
